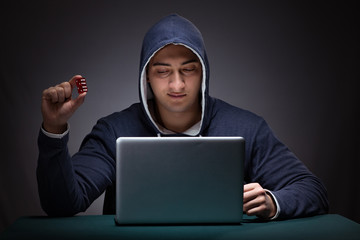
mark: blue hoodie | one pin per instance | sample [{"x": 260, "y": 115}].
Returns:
[{"x": 68, "y": 185}]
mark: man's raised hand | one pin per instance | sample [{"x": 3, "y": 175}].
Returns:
[{"x": 57, "y": 105}]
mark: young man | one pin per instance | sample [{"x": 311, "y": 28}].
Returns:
[{"x": 174, "y": 101}]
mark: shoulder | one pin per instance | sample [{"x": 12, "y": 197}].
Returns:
[
  {"x": 227, "y": 112},
  {"x": 131, "y": 121},
  {"x": 228, "y": 120},
  {"x": 128, "y": 117},
  {"x": 130, "y": 113}
]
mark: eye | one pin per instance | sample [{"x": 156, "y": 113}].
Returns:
[
  {"x": 189, "y": 69},
  {"x": 160, "y": 71}
]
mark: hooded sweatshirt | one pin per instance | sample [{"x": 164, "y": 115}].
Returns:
[{"x": 69, "y": 184}]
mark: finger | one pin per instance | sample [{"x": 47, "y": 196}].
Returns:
[
  {"x": 60, "y": 94},
  {"x": 255, "y": 202},
  {"x": 248, "y": 196},
  {"x": 73, "y": 81},
  {"x": 258, "y": 211},
  {"x": 67, "y": 89},
  {"x": 50, "y": 94},
  {"x": 251, "y": 186},
  {"x": 252, "y": 191},
  {"x": 79, "y": 100}
]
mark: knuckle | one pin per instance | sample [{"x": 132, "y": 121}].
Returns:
[
  {"x": 65, "y": 84},
  {"x": 262, "y": 199},
  {"x": 257, "y": 184},
  {"x": 50, "y": 91},
  {"x": 262, "y": 207},
  {"x": 45, "y": 93},
  {"x": 260, "y": 191}
]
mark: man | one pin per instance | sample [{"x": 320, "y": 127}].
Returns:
[{"x": 174, "y": 101}]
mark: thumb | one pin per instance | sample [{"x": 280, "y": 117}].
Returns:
[{"x": 77, "y": 102}]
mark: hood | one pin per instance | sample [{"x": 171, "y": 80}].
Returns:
[{"x": 173, "y": 29}]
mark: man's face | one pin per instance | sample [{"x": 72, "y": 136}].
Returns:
[{"x": 175, "y": 74}]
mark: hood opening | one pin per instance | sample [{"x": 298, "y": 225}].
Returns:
[{"x": 146, "y": 94}]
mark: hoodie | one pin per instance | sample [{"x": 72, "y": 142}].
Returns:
[
  {"x": 69, "y": 184},
  {"x": 175, "y": 30}
]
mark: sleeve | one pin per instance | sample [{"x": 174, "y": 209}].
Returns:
[
  {"x": 278, "y": 209},
  {"x": 54, "y": 135},
  {"x": 68, "y": 185},
  {"x": 298, "y": 192}
]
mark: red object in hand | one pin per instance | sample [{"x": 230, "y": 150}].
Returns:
[{"x": 81, "y": 85}]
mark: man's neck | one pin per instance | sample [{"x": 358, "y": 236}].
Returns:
[{"x": 177, "y": 122}]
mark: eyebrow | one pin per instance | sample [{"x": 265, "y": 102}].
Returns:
[{"x": 166, "y": 64}]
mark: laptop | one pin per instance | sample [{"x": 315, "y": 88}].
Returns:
[{"x": 179, "y": 180}]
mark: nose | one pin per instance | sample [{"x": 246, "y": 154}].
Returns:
[{"x": 176, "y": 82}]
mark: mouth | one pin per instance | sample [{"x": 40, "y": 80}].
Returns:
[{"x": 176, "y": 95}]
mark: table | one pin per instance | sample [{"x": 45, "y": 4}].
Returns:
[{"x": 329, "y": 226}]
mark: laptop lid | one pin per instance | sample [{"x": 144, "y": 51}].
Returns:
[{"x": 179, "y": 180}]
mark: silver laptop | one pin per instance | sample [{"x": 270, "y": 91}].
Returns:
[{"x": 179, "y": 180}]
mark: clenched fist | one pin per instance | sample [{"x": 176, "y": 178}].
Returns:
[{"x": 57, "y": 105}]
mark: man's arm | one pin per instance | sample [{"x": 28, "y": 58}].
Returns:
[
  {"x": 297, "y": 191},
  {"x": 55, "y": 172},
  {"x": 69, "y": 184}
]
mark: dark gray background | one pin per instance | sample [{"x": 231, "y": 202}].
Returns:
[{"x": 293, "y": 62}]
